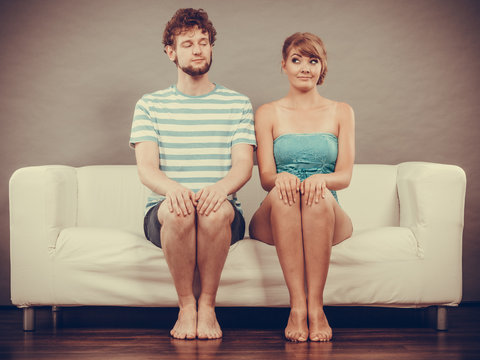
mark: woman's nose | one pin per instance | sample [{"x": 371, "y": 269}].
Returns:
[{"x": 305, "y": 69}]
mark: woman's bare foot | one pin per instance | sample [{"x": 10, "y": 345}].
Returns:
[
  {"x": 186, "y": 325},
  {"x": 208, "y": 327},
  {"x": 297, "y": 328},
  {"x": 320, "y": 330}
]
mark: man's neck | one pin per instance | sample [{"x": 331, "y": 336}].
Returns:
[{"x": 194, "y": 85}]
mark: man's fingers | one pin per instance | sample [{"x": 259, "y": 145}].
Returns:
[
  {"x": 210, "y": 207},
  {"x": 169, "y": 204},
  {"x": 187, "y": 202},
  {"x": 205, "y": 201},
  {"x": 176, "y": 206},
  {"x": 182, "y": 205},
  {"x": 218, "y": 204}
]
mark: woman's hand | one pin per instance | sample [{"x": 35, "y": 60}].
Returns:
[
  {"x": 313, "y": 187},
  {"x": 287, "y": 186}
]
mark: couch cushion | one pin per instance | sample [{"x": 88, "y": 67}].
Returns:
[
  {"x": 377, "y": 245},
  {"x": 102, "y": 266}
]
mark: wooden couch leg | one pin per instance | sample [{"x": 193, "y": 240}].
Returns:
[
  {"x": 442, "y": 318},
  {"x": 29, "y": 319}
]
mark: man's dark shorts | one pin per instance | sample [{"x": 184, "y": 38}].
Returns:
[{"x": 151, "y": 225}]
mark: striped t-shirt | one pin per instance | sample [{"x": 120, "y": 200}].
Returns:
[{"x": 195, "y": 134}]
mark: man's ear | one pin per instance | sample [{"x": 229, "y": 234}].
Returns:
[{"x": 170, "y": 52}]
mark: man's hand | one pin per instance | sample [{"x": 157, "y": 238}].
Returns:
[
  {"x": 210, "y": 198},
  {"x": 180, "y": 200}
]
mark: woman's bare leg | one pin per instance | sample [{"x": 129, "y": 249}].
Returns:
[
  {"x": 280, "y": 224},
  {"x": 324, "y": 224}
]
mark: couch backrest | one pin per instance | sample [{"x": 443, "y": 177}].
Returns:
[
  {"x": 371, "y": 200},
  {"x": 112, "y": 196}
]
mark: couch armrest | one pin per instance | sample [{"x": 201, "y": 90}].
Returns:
[
  {"x": 432, "y": 202},
  {"x": 43, "y": 201}
]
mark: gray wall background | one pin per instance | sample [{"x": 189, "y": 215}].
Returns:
[{"x": 71, "y": 72}]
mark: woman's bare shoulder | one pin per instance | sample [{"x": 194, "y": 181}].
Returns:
[
  {"x": 266, "y": 109},
  {"x": 265, "y": 114},
  {"x": 344, "y": 113}
]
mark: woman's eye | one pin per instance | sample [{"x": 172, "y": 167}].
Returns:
[
  {"x": 295, "y": 60},
  {"x": 314, "y": 61}
]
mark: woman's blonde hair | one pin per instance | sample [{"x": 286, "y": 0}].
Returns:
[{"x": 310, "y": 45}]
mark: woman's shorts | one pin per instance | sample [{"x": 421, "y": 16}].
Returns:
[{"x": 151, "y": 225}]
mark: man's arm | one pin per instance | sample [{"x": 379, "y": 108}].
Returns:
[
  {"x": 211, "y": 197},
  {"x": 179, "y": 199}
]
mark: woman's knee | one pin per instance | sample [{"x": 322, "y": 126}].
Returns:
[
  {"x": 323, "y": 210},
  {"x": 282, "y": 206}
]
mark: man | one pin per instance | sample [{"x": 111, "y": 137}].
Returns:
[{"x": 194, "y": 148}]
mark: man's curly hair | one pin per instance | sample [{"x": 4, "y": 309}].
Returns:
[{"x": 185, "y": 19}]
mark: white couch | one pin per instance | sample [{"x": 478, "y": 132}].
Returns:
[{"x": 77, "y": 239}]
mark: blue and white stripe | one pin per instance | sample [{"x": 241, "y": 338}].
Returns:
[{"x": 195, "y": 134}]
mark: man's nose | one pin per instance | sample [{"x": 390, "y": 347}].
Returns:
[{"x": 196, "y": 49}]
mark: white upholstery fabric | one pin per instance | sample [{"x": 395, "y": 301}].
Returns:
[{"x": 77, "y": 239}]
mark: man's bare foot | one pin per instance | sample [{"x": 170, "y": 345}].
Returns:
[
  {"x": 297, "y": 328},
  {"x": 208, "y": 327},
  {"x": 186, "y": 325},
  {"x": 320, "y": 330}
]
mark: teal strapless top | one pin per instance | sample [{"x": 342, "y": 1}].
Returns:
[{"x": 304, "y": 155}]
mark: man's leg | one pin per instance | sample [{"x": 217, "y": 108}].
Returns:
[
  {"x": 213, "y": 243},
  {"x": 177, "y": 237}
]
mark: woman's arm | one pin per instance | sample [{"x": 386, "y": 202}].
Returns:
[
  {"x": 342, "y": 175},
  {"x": 264, "y": 135},
  {"x": 287, "y": 184},
  {"x": 314, "y": 186}
]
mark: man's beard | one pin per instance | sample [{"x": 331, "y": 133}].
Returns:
[{"x": 196, "y": 71}]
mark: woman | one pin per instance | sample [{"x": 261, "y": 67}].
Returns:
[{"x": 305, "y": 152}]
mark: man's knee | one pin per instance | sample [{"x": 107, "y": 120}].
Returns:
[
  {"x": 223, "y": 217},
  {"x": 180, "y": 223}
]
